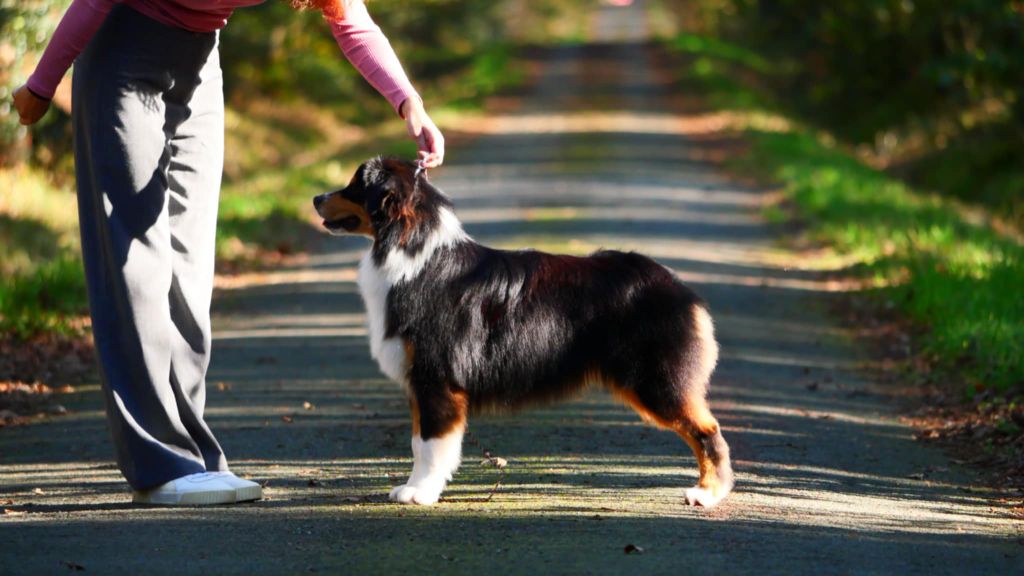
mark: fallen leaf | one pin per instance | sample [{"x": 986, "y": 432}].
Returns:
[
  {"x": 223, "y": 386},
  {"x": 287, "y": 419},
  {"x": 38, "y": 491},
  {"x": 73, "y": 566},
  {"x": 9, "y": 512},
  {"x": 308, "y": 405},
  {"x": 313, "y": 482},
  {"x": 495, "y": 461},
  {"x": 633, "y": 549}
]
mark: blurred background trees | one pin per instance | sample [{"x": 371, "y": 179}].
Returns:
[
  {"x": 299, "y": 116},
  {"x": 930, "y": 89},
  {"x": 898, "y": 144}
]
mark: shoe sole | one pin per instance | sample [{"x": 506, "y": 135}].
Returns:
[
  {"x": 202, "y": 498},
  {"x": 248, "y": 494}
]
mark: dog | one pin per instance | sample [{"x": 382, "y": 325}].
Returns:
[{"x": 465, "y": 328}]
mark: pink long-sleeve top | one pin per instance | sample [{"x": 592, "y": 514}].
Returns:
[{"x": 359, "y": 38}]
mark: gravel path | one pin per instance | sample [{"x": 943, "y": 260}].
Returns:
[{"x": 600, "y": 154}]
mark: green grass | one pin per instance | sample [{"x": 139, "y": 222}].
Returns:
[
  {"x": 43, "y": 288},
  {"x": 47, "y": 299},
  {"x": 954, "y": 275}
]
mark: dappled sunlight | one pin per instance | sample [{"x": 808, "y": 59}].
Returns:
[
  {"x": 767, "y": 358},
  {"x": 270, "y": 278},
  {"x": 597, "y": 122},
  {"x": 310, "y": 331},
  {"x": 298, "y": 404},
  {"x": 625, "y": 212}
]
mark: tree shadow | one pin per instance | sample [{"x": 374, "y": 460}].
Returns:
[{"x": 826, "y": 478}]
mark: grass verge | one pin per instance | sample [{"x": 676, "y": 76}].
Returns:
[
  {"x": 940, "y": 264},
  {"x": 43, "y": 289}
]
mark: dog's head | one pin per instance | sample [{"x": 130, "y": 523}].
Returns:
[{"x": 387, "y": 200}]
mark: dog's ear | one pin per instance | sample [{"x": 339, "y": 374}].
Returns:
[{"x": 403, "y": 196}]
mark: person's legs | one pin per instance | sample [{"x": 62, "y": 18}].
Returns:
[
  {"x": 193, "y": 178},
  {"x": 130, "y": 97}
]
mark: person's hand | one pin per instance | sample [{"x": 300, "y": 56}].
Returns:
[
  {"x": 30, "y": 107},
  {"x": 422, "y": 129}
]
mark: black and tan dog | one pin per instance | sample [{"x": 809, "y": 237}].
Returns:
[{"x": 464, "y": 327}]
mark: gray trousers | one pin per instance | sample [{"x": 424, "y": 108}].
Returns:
[{"x": 148, "y": 111}]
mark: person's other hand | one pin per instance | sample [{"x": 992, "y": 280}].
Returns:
[
  {"x": 30, "y": 107},
  {"x": 422, "y": 129}
]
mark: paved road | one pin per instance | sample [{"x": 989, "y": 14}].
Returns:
[{"x": 602, "y": 153}]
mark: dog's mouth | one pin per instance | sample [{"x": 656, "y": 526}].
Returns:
[{"x": 349, "y": 223}]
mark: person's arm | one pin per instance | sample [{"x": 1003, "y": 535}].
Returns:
[
  {"x": 366, "y": 47},
  {"x": 74, "y": 32}
]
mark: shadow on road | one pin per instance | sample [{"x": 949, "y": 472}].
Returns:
[{"x": 603, "y": 152}]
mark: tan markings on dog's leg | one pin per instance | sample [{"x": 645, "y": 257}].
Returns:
[
  {"x": 417, "y": 440},
  {"x": 702, "y": 433},
  {"x": 708, "y": 477},
  {"x": 633, "y": 401},
  {"x": 715, "y": 477},
  {"x": 438, "y": 456},
  {"x": 414, "y": 411},
  {"x": 697, "y": 427},
  {"x": 460, "y": 403}
]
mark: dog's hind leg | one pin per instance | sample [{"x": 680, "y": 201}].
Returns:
[
  {"x": 673, "y": 395},
  {"x": 439, "y": 421},
  {"x": 697, "y": 426},
  {"x": 701, "y": 432},
  {"x": 691, "y": 419}
]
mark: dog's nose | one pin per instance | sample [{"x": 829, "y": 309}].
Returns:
[{"x": 317, "y": 201}]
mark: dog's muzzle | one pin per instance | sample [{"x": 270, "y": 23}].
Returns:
[{"x": 347, "y": 223}]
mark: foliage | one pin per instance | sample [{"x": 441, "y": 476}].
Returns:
[
  {"x": 869, "y": 66},
  {"x": 42, "y": 285},
  {"x": 47, "y": 299},
  {"x": 299, "y": 117},
  {"x": 948, "y": 270},
  {"x": 270, "y": 50},
  {"x": 25, "y": 27},
  {"x": 934, "y": 90},
  {"x": 957, "y": 278}
]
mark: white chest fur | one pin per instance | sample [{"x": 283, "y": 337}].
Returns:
[
  {"x": 376, "y": 282},
  {"x": 388, "y": 352}
]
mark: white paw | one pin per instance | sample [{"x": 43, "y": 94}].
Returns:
[
  {"x": 393, "y": 495},
  {"x": 697, "y": 496},
  {"x": 407, "y": 494}
]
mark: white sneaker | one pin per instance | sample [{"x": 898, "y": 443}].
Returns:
[
  {"x": 201, "y": 489},
  {"x": 245, "y": 490}
]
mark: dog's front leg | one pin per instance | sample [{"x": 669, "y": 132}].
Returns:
[
  {"x": 436, "y": 447},
  {"x": 433, "y": 465}
]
